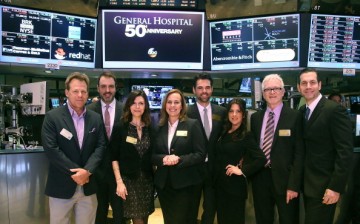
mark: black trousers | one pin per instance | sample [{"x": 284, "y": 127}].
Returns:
[
  {"x": 265, "y": 200},
  {"x": 230, "y": 208},
  {"x": 175, "y": 203},
  {"x": 106, "y": 195},
  {"x": 316, "y": 212},
  {"x": 207, "y": 190}
]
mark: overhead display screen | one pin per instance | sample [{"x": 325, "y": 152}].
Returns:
[
  {"x": 185, "y": 4},
  {"x": 266, "y": 42},
  {"x": 37, "y": 37},
  {"x": 334, "y": 41},
  {"x": 152, "y": 39}
]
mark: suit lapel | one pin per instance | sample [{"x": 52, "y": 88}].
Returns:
[
  {"x": 181, "y": 126},
  {"x": 164, "y": 130},
  {"x": 118, "y": 113},
  {"x": 282, "y": 120},
  {"x": 315, "y": 114}
]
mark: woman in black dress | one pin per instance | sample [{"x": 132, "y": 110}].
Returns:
[
  {"x": 132, "y": 159},
  {"x": 237, "y": 157}
]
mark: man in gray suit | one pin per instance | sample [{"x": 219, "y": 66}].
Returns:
[
  {"x": 203, "y": 88},
  {"x": 105, "y": 179},
  {"x": 74, "y": 142}
]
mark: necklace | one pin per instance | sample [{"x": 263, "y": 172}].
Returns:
[{"x": 138, "y": 126}]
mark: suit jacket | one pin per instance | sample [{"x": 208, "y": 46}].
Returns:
[
  {"x": 287, "y": 150},
  {"x": 217, "y": 116},
  {"x": 130, "y": 161},
  {"x": 65, "y": 154},
  {"x": 105, "y": 171},
  {"x": 329, "y": 144},
  {"x": 187, "y": 143}
]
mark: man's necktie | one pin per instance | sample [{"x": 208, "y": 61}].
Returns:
[
  {"x": 107, "y": 121},
  {"x": 307, "y": 113},
  {"x": 206, "y": 124},
  {"x": 268, "y": 137}
]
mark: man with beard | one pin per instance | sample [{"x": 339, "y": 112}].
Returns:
[
  {"x": 212, "y": 117},
  {"x": 111, "y": 111}
]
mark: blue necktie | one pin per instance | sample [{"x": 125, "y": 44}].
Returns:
[{"x": 307, "y": 113}]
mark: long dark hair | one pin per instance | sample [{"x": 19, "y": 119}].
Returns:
[
  {"x": 127, "y": 116},
  {"x": 239, "y": 133}
]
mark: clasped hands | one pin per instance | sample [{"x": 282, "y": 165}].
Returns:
[
  {"x": 171, "y": 160},
  {"x": 81, "y": 176}
]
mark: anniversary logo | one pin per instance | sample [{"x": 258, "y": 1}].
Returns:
[{"x": 159, "y": 37}]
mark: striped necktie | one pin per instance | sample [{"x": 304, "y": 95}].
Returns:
[{"x": 268, "y": 137}]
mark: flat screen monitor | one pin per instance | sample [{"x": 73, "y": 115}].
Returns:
[
  {"x": 40, "y": 37},
  {"x": 152, "y": 39},
  {"x": 334, "y": 41},
  {"x": 245, "y": 85},
  {"x": 264, "y": 42},
  {"x": 154, "y": 93}
]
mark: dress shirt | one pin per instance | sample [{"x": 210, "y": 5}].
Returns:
[
  {"x": 79, "y": 123},
  {"x": 209, "y": 113},
  {"x": 313, "y": 105},
  {"x": 171, "y": 133},
  {"x": 111, "y": 110}
]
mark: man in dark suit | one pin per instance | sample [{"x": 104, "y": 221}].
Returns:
[
  {"x": 74, "y": 141},
  {"x": 203, "y": 88},
  {"x": 106, "y": 193},
  {"x": 279, "y": 181},
  {"x": 328, "y": 150}
]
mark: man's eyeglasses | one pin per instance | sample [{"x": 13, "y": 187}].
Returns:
[{"x": 269, "y": 90}]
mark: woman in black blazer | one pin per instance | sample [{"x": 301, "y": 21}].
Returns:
[
  {"x": 237, "y": 157},
  {"x": 131, "y": 153},
  {"x": 178, "y": 154}
]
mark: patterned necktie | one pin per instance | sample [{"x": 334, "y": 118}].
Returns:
[
  {"x": 206, "y": 124},
  {"x": 107, "y": 121},
  {"x": 307, "y": 113},
  {"x": 268, "y": 137}
]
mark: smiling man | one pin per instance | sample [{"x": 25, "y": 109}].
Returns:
[
  {"x": 111, "y": 110},
  {"x": 328, "y": 146},
  {"x": 74, "y": 141},
  {"x": 278, "y": 132}
]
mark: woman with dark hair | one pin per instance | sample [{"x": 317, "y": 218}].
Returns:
[
  {"x": 178, "y": 154},
  {"x": 237, "y": 157},
  {"x": 131, "y": 155}
]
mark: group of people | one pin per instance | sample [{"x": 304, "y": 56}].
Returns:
[{"x": 110, "y": 153}]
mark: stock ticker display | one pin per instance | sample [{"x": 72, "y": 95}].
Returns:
[
  {"x": 192, "y": 4},
  {"x": 334, "y": 41}
]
